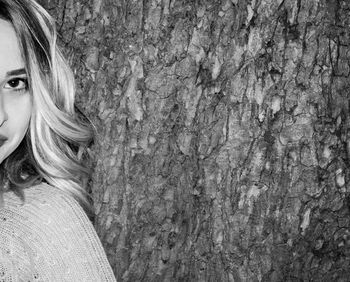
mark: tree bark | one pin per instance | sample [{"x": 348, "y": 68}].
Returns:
[{"x": 222, "y": 150}]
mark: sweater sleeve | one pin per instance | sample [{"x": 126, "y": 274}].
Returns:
[{"x": 50, "y": 238}]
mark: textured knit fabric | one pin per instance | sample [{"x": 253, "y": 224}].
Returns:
[{"x": 49, "y": 238}]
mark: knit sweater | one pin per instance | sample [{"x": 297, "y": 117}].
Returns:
[{"x": 49, "y": 238}]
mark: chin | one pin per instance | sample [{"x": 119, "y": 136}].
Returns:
[{"x": 5, "y": 151}]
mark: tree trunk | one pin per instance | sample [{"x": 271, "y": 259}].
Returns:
[{"x": 222, "y": 150}]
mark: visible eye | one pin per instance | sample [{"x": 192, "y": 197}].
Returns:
[{"x": 17, "y": 84}]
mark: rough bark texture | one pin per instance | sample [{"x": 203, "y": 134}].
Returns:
[{"x": 223, "y": 146}]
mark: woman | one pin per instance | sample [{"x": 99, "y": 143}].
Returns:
[{"x": 45, "y": 234}]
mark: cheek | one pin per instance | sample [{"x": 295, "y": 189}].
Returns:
[
  {"x": 18, "y": 116},
  {"x": 19, "y": 113}
]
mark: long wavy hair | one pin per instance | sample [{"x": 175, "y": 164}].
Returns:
[{"x": 54, "y": 149}]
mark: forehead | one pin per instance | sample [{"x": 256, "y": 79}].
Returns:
[{"x": 10, "y": 55}]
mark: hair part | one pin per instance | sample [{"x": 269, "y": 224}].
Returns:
[{"x": 55, "y": 146}]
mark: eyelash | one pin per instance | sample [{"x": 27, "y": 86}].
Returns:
[{"x": 24, "y": 80}]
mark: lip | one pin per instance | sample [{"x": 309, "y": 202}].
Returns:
[{"x": 3, "y": 139}]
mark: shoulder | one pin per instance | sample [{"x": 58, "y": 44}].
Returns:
[
  {"x": 53, "y": 233},
  {"x": 44, "y": 204},
  {"x": 40, "y": 196}
]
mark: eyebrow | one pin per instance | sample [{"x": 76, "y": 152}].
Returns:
[{"x": 16, "y": 72}]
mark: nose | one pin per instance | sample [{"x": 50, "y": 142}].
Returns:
[{"x": 3, "y": 112}]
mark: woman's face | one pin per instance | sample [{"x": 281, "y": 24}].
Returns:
[{"x": 15, "y": 100}]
